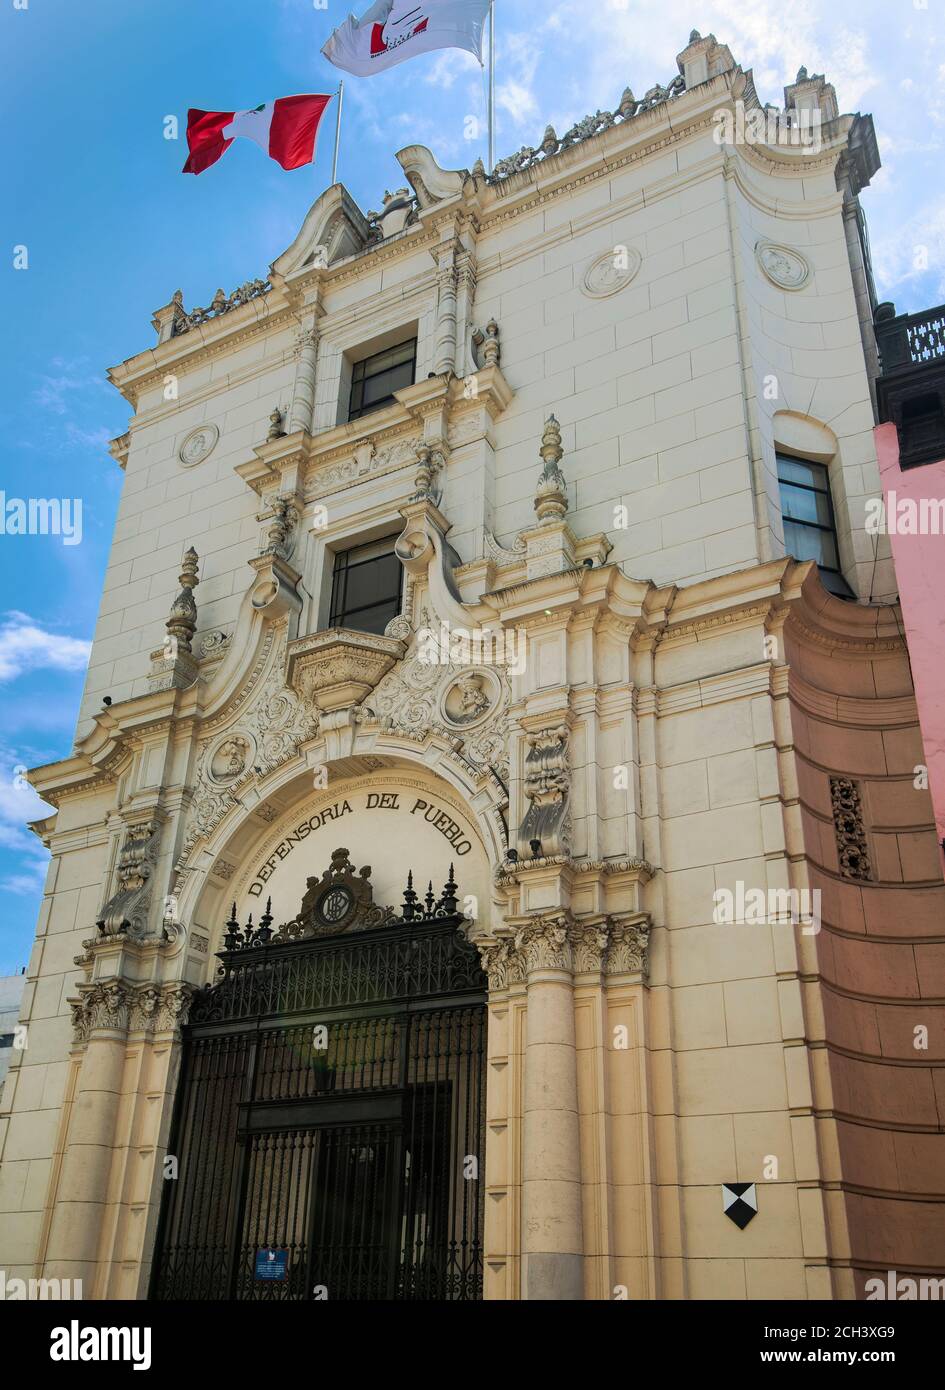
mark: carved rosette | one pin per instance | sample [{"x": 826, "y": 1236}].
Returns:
[{"x": 118, "y": 1006}]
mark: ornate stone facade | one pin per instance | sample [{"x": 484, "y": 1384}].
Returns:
[{"x": 608, "y": 700}]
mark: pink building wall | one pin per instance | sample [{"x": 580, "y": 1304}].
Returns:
[{"x": 920, "y": 571}]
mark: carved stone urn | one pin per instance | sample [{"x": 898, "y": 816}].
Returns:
[{"x": 339, "y": 667}]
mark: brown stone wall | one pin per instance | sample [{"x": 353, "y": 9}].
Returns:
[{"x": 879, "y": 959}]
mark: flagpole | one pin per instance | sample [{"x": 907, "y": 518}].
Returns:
[
  {"x": 491, "y": 85},
  {"x": 334, "y": 161}
]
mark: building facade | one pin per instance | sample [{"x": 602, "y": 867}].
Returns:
[
  {"x": 11, "y": 995},
  {"x": 488, "y": 505}
]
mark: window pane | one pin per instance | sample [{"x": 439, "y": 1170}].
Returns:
[
  {"x": 375, "y": 379},
  {"x": 802, "y": 505},
  {"x": 378, "y": 579},
  {"x": 383, "y": 385},
  {"x": 798, "y": 471},
  {"x": 804, "y": 542},
  {"x": 366, "y": 587},
  {"x": 373, "y": 619}
]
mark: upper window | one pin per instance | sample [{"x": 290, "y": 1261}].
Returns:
[
  {"x": 365, "y": 586},
  {"x": 810, "y": 531},
  {"x": 375, "y": 379}
]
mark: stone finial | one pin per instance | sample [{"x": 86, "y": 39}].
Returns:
[
  {"x": 549, "y": 141},
  {"x": 695, "y": 36},
  {"x": 551, "y": 494},
  {"x": 182, "y": 621},
  {"x": 479, "y": 170},
  {"x": 276, "y": 420},
  {"x": 628, "y": 104},
  {"x": 810, "y": 93}
]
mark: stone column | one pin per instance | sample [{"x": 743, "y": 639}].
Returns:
[
  {"x": 445, "y": 353},
  {"x": 81, "y": 1199},
  {"x": 303, "y": 393},
  {"x": 553, "y": 1241}
]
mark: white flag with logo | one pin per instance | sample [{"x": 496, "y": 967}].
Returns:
[{"x": 393, "y": 30}]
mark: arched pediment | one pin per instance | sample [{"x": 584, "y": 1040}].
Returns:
[{"x": 334, "y": 227}]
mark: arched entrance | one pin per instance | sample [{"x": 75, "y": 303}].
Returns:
[{"x": 329, "y": 1126}]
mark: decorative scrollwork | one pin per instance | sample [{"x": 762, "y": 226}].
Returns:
[{"x": 852, "y": 848}]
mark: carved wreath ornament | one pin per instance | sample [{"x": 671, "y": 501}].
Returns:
[
  {"x": 782, "y": 265},
  {"x": 611, "y": 272}
]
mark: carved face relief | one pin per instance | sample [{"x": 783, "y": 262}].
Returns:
[
  {"x": 782, "y": 265},
  {"x": 198, "y": 445},
  {"x": 611, "y": 272},
  {"x": 230, "y": 758},
  {"x": 469, "y": 698}
]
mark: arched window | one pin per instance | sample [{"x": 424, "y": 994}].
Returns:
[{"x": 810, "y": 529}]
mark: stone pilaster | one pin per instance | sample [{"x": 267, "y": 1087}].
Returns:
[{"x": 553, "y": 1237}]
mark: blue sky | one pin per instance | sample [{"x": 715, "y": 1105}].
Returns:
[{"x": 94, "y": 191}]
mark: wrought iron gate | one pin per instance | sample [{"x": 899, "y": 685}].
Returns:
[{"x": 329, "y": 1126}]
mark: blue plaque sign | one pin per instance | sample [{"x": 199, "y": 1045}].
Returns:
[{"x": 272, "y": 1264}]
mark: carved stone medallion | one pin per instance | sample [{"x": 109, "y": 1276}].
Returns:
[
  {"x": 198, "y": 445},
  {"x": 230, "y": 758},
  {"x": 469, "y": 699},
  {"x": 782, "y": 265},
  {"x": 611, "y": 272}
]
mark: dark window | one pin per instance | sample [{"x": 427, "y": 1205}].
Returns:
[
  {"x": 6, "y": 1040},
  {"x": 365, "y": 586},
  {"x": 375, "y": 379},
  {"x": 810, "y": 531}
]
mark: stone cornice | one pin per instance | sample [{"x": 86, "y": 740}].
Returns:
[
  {"x": 876, "y": 712},
  {"x": 481, "y": 203}
]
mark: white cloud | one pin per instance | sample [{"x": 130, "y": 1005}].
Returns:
[
  {"x": 73, "y": 376},
  {"x": 448, "y": 65},
  {"x": 26, "y": 884},
  {"x": 25, "y": 646},
  {"x": 19, "y": 804},
  {"x": 912, "y": 250}
]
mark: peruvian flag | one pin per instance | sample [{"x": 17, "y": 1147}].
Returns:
[
  {"x": 394, "y": 30},
  {"x": 285, "y": 128}
]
